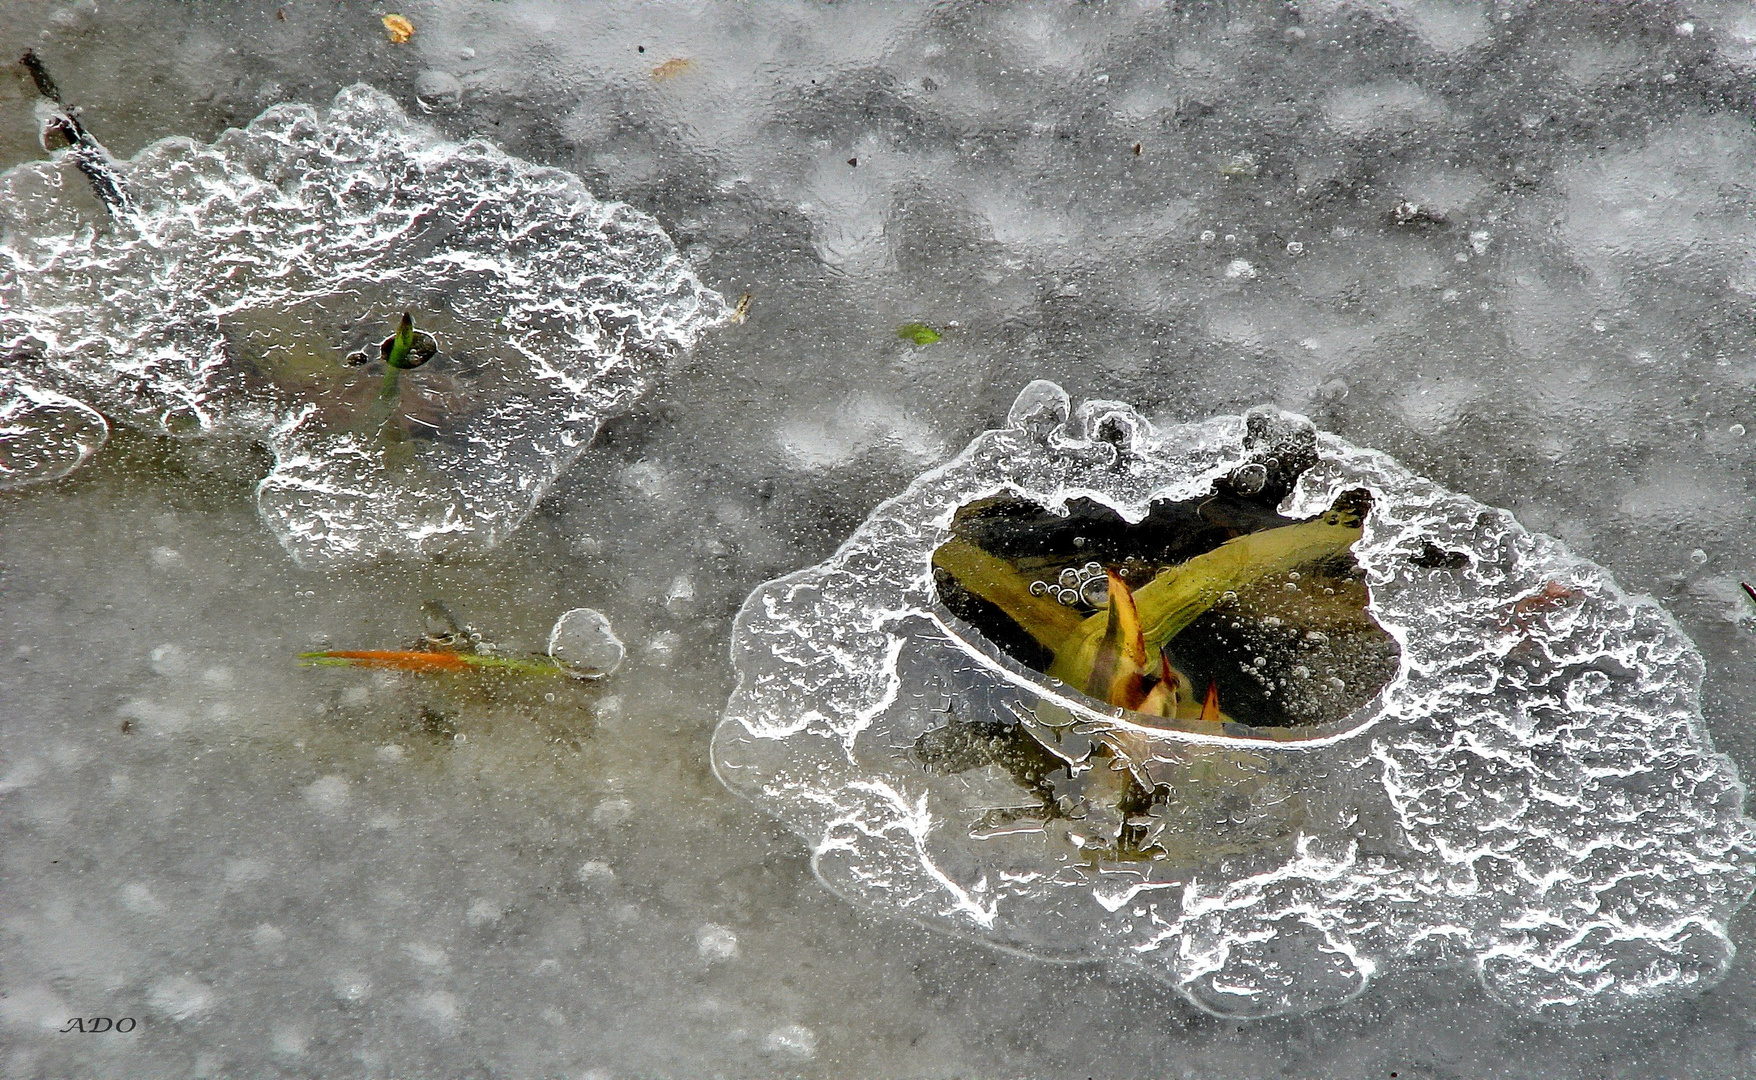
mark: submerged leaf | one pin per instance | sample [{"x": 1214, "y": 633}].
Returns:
[
  {"x": 1117, "y": 654},
  {"x": 1210, "y": 703},
  {"x": 917, "y": 333},
  {"x": 999, "y": 583},
  {"x": 425, "y": 660},
  {"x": 1161, "y": 700},
  {"x": 1118, "y": 667}
]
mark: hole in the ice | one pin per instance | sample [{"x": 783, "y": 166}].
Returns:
[
  {"x": 1434, "y": 557},
  {"x": 1230, "y": 614},
  {"x": 326, "y": 355}
]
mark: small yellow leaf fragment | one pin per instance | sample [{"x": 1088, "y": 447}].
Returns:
[
  {"x": 399, "y": 29},
  {"x": 672, "y": 68},
  {"x": 742, "y": 311}
]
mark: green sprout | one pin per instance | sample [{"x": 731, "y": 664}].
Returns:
[
  {"x": 405, "y": 349},
  {"x": 917, "y": 333},
  {"x": 408, "y": 347}
]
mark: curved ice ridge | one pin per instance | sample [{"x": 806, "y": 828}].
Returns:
[
  {"x": 1533, "y": 795},
  {"x": 43, "y": 435},
  {"x": 307, "y": 219}
]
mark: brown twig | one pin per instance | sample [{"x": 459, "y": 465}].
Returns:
[{"x": 87, "y": 154}]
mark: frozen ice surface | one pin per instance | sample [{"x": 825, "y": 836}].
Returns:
[
  {"x": 228, "y": 299},
  {"x": 44, "y": 435},
  {"x": 1533, "y": 795},
  {"x": 1594, "y": 381}
]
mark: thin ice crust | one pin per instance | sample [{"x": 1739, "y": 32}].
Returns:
[
  {"x": 44, "y": 436},
  {"x": 214, "y": 305},
  {"x": 1534, "y": 794}
]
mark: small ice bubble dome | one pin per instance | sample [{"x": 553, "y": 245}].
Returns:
[
  {"x": 425, "y": 333},
  {"x": 583, "y": 642},
  {"x": 180, "y": 998},
  {"x": 715, "y": 942},
  {"x": 436, "y": 90},
  {"x": 1323, "y": 710},
  {"x": 791, "y": 1040},
  {"x": 596, "y": 873},
  {"x": 484, "y": 912}
]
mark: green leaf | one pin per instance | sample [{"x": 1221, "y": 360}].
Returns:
[
  {"x": 918, "y": 333},
  {"x": 1179, "y": 596},
  {"x": 999, "y": 583}
]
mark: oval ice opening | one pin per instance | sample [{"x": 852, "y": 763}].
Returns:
[{"x": 1215, "y": 614}]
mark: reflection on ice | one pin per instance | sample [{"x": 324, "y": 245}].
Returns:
[
  {"x": 1508, "y": 770},
  {"x": 254, "y": 281}
]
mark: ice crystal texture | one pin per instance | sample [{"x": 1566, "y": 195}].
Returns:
[
  {"x": 1534, "y": 793},
  {"x": 43, "y": 435},
  {"x": 228, "y": 300}
]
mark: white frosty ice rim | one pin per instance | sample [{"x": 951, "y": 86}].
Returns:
[
  {"x": 1535, "y": 785},
  {"x": 22, "y": 407},
  {"x": 580, "y": 300}
]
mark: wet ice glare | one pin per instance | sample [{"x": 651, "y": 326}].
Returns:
[
  {"x": 225, "y": 301},
  {"x": 1507, "y": 243}
]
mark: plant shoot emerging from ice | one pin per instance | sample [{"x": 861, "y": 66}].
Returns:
[
  {"x": 1257, "y": 710},
  {"x": 1214, "y": 615},
  {"x": 1115, "y": 627},
  {"x": 408, "y": 347},
  {"x": 554, "y": 310}
]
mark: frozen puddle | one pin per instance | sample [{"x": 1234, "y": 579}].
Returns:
[
  {"x": 1425, "y": 736},
  {"x": 229, "y": 295}
]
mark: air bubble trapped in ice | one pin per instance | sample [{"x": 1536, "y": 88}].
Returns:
[
  {"x": 1256, "y": 710},
  {"x": 257, "y": 287}
]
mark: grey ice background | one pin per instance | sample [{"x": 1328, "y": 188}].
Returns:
[{"x": 297, "y": 873}]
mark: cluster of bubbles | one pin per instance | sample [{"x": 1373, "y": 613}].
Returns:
[{"x": 1077, "y": 586}]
